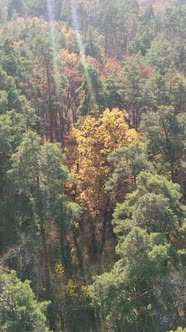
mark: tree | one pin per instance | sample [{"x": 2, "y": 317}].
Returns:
[
  {"x": 124, "y": 296},
  {"x": 10, "y": 95},
  {"x": 127, "y": 163},
  {"x": 19, "y": 310},
  {"x": 145, "y": 33},
  {"x": 147, "y": 224},
  {"x": 10, "y": 61},
  {"x": 16, "y": 6},
  {"x": 160, "y": 54},
  {"x": 114, "y": 94},
  {"x": 178, "y": 93},
  {"x": 154, "y": 205},
  {"x": 156, "y": 91},
  {"x": 87, "y": 154},
  {"x": 12, "y": 127},
  {"x": 93, "y": 91},
  {"x": 164, "y": 133},
  {"x": 71, "y": 80},
  {"x": 45, "y": 55},
  {"x": 133, "y": 91},
  {"x": 39, "y": 179},
  {"x": 92, "y": 47}
]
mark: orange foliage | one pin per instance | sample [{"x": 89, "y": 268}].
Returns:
[
  {"x": 70, "y": 69},
  {"x": 112, "y": 68},
  {"x": 93, "y": 63},
  {"x": 146, "y": 71},
  {"x": 70, "y": 59},
  {"x": 70, "y": 36}
]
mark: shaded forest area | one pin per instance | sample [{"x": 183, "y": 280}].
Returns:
[{"x": 92, "y": 165}]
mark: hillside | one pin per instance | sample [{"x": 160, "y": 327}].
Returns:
[{"x": 92, "y": 165}]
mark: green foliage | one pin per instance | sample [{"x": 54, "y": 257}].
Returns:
[
  {"x": 61, "y": 59},
  {"x": 93, "y": 92},
  {"x": 92, "y": 44},
  {"x": 114, "y": 94},
  {"x": 178, "y": 93},
  {"x": 145, "y": 34},
  {"x": 164, "y": 133},
  {"x": 133, "y": 90},
  {"x": 125, "y": 294},
  {"x": 38, "y": 175},
  {"x": 146, "y": 225},
  {"x": 10, "y": 97},
  {"x": 19, "y": 310},
  {"x": 156, "y": 91},
  {"x": 154, "y": 205},
  {"x": 128, "y": 162},
  {"x": 160, "y": 53}
]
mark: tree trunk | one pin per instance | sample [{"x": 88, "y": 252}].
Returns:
[{"x": 49, "y": 102}]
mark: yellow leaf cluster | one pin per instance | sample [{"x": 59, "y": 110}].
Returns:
[
  {"x": 71, "y": 288},
  {"x": 59, "y": 269},
  {"x": 96, "y": 137},
  {"x": 70, "y": 59},
  {"x": 85, "y": 291}
]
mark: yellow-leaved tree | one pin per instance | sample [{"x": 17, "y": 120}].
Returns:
[{"x": 87, "y": 150}]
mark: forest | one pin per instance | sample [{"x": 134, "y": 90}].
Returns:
[{"x": 92, "y": 165}]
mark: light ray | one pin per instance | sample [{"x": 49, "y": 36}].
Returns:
[
  {"x": 81, "y": 49},
  {"x": 51, "y": 24}
]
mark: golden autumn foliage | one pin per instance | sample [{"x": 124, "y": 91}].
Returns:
[
  {"x": 59, "y": 269},
  {"x": 72, "y": 288},
  {"x": 87, "y": 152},
  {"x": 76, "y": 290}
]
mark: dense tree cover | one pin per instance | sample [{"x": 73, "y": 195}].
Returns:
[
  {"x": 92, "y": 165},
  {"x": 147, "y": 225},
  {"x": 95, "y": 138},
  {"x": 19, "y": 311}
]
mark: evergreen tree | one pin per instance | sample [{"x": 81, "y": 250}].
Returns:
[
  {"x": 147, "y": 225},
  {"x": 16, "y": 6},
  {"x": 165, "y": 135},
  {"x": 125, "y": 295},
  {"x": 93, "y": 92},
  {"x": 19, "y": 310}
]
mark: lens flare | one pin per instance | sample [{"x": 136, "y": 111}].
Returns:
[
  {"x": 54, "y": 47},
  {"x": 81, "y": 48}
]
